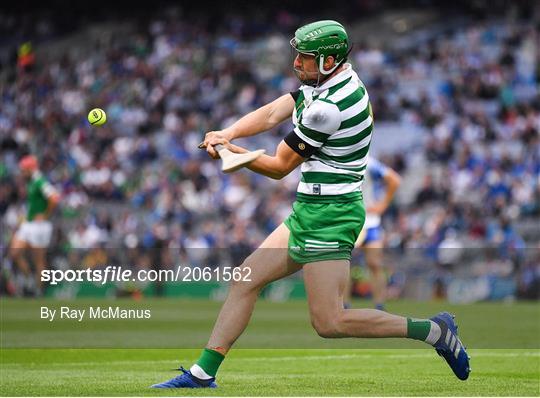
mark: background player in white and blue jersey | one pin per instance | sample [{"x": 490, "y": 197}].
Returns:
[{"x": 379, "y": 189}]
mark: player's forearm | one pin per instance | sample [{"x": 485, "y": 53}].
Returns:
[
  {"x": 253, "y": 123},
  {"x": 269, "y": 166},
  {"x": 278, "y": 166},
  {"x": 262, "y": 119}
]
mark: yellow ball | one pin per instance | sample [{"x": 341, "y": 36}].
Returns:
[{"x": 97, "y": 117}]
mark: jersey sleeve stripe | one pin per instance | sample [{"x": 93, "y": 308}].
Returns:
[
  {"x": 307, "y": 139},
  {"x": 313, "y": 134},
  {"x": 299, "y": 110},
  {"x": 300, "y": 98}
]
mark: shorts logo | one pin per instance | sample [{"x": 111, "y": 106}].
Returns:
[
  {"x": 301, "y": 146},
  {"x": 316, "y": 189}
]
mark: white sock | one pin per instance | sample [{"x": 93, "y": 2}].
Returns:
[
  {"x": 199, "y": 372},
  {"x": 434, "y": 333}
]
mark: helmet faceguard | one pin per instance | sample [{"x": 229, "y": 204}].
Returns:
[{"x": 322, "y": 39}]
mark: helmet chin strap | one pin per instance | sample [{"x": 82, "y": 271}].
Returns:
[
  {"x": 321, "y": 66},
  {"x": 323, "y": 73},
  {"x": 327, "y": 72}
]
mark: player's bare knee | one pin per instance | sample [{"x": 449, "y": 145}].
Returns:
[
  {"x": 327, "y": 330},
  {"x": 326, "y": 325}
]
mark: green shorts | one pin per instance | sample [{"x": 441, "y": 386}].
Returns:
[{"x": 324, "y": 231}]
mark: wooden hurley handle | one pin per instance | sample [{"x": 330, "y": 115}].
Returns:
[
  {"x": 231, "y": 161},
  {"x": 218, "y": 147}
]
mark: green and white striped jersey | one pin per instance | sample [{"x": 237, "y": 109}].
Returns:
[{"x": 336, "y": 118}]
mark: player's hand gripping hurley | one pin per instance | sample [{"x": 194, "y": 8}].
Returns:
[{"x": 231, "y": 161}]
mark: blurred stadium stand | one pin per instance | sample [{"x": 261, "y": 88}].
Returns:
[{"x": 454, "y": 91}]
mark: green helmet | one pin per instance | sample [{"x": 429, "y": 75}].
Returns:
[{"x": 322, "y": 39}]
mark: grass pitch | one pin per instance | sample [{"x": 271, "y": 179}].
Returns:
[
  {"x": 279, "y": 355},
  {"x": 259, "y": 372}
]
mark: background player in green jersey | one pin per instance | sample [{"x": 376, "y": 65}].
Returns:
[
  {"x": 332, "y": 131},
  {"x": 34, "y": 233}
]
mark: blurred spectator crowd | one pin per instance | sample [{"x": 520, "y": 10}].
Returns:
[{"x": 140, "y": 182}]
